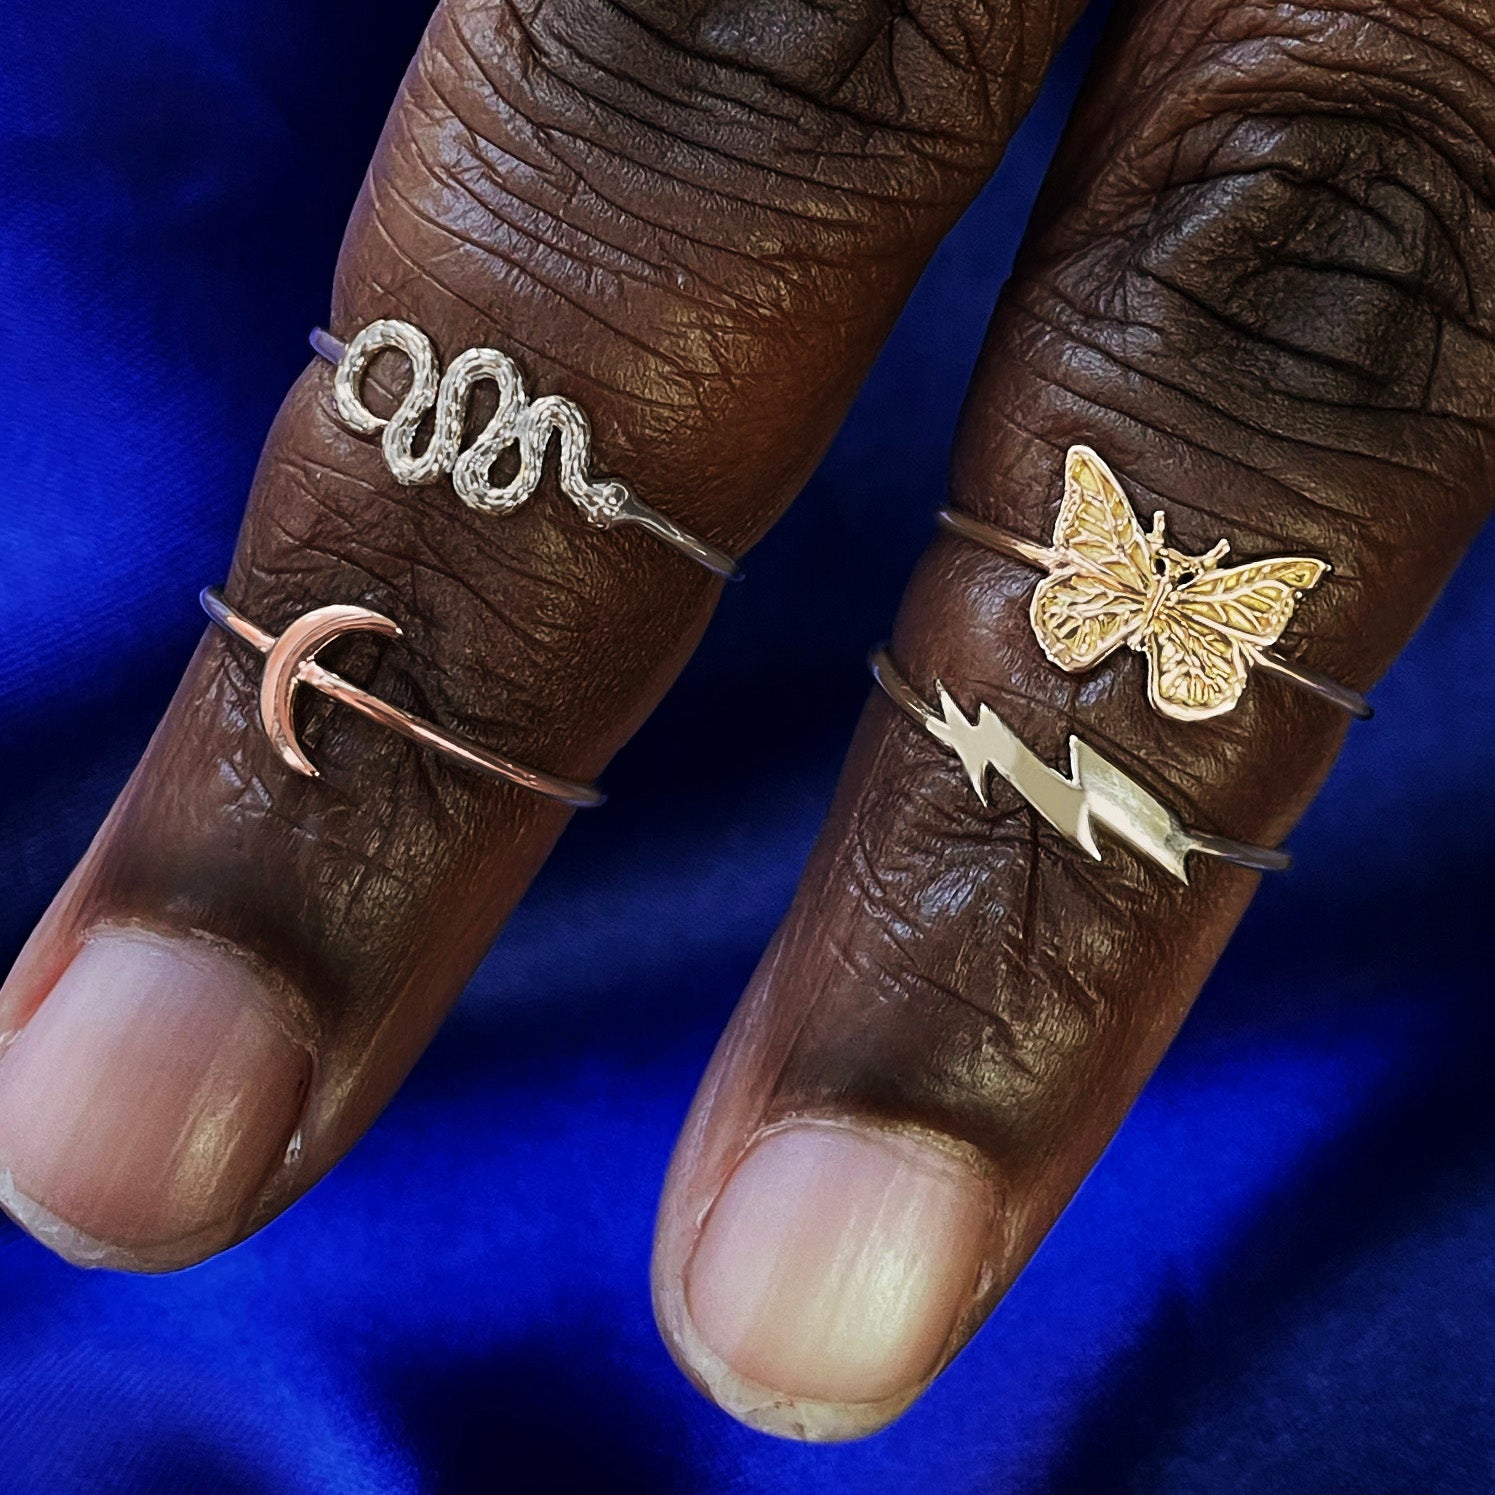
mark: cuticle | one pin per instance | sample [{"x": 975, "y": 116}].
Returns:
[
  {"x": 293, "y": 1015},
  {"x": 970, "y": 1158}
]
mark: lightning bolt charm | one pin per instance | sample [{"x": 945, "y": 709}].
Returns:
[{"x": 1095, "y": 793}]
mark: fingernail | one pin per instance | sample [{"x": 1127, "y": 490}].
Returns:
[
  {"x": 834, "y": 1267},
  {"x": 145, "y": 1103}
]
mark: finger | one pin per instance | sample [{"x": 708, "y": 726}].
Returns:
[
  {"x": 1259, "y": 283},
  {"x": 700, "y": 229}
]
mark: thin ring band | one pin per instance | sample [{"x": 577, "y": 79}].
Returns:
[
  {"x": 1004, "y": 542},
  {"x": 1097, "y": 792},
  {"x": 630, "y": 510},
  {"x": 301, "y": 668}
]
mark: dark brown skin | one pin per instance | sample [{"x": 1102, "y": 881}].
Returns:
[
  {"x": 914, "y": 888},
  {"x": 1274, "y": 328},
  {"x": 710, "y": 279},
  {"x": 1260, "y": 283}
]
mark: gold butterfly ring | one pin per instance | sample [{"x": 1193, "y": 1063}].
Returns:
[{"x": 1111, "y": 583}]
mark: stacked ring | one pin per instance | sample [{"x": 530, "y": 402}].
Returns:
[
  {"x": 1110, "y": 583},
  {"x": 290, "y": 662},
  {"x": 518, "y": 423},
  {"x": 1097, "y": 793}
]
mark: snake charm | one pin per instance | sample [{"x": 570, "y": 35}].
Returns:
[{"x": 518, "y": 422}]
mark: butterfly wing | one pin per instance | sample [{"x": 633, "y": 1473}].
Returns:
[
  {"x": 1098, "y": 593},
  {"x": 1096, "y": 530},
  {"x": 1201, "y": 644},
  {"x": 1079, "y": 618},
  {"x": 1193, "y": 672}
]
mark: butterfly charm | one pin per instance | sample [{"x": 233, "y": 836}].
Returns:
[{"x": 1111, "y": 583}]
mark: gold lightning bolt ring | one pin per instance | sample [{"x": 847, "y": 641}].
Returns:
[{"x": 1096, "y": 794}]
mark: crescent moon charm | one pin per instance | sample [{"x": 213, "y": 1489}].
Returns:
[{"x": 290, "y": 662}]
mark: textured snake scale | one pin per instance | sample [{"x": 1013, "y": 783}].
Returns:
[{"x": 518, "y": 422}]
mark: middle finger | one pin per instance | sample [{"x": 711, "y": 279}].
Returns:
[{"x": 1258, "y": 283}]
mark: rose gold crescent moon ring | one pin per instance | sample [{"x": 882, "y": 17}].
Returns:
[{"x": 290, "y": 661}]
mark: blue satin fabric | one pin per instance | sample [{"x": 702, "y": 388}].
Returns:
[{"x": 1280, "y": 1276}]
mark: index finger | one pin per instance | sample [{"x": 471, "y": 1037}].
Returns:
[{"x": 693, "y": 228}]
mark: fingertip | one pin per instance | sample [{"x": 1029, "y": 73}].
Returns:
[
  {"x": 830, "y": 1278},
  {"x": 763, "y": 1408},
  {"x": 147, "y": 1100}
]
